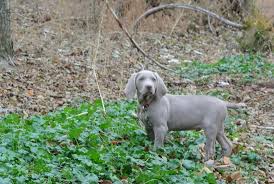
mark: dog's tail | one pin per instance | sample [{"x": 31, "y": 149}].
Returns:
[{"x": 235, "y": 105}]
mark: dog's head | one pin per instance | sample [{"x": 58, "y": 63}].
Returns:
[{"x": 146, "y": 84}]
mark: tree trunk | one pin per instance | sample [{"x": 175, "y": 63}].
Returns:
[{"x": 6, "y": 46}]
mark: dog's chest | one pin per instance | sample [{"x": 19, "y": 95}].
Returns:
[{"x": 143, "y": 116}]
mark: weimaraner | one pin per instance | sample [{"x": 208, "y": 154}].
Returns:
[{"x": 161, "y": 112}]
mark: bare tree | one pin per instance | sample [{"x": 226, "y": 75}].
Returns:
[{"x": 6, "y": 46}]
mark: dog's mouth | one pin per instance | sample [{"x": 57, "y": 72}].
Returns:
[
  {"x": 148, "y": 93},
  {"x": 147, "y": 96}
]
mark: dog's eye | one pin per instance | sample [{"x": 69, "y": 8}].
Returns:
[
  {"x": 141, "y": 78},
  {"x": 153, "y": 79}
]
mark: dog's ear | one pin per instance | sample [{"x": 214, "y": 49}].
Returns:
[
  {"x": 130, "y": 89},
  {"x": 161, "y": 89}
]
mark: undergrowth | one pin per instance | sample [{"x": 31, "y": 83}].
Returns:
[
  {"x": 244, "y": 68},
  {"x": 82, "y": 145}
]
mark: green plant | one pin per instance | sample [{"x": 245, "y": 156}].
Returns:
[
  {"x": 246, "y": 67},
  {"x": 83, "y": 145}
]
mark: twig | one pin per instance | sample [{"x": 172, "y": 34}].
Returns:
[
  {"x": 185, "y": 6},
  {"x": 177, "y": 20},
  {"x": 210, "y": 26},
  {"x": 141, "y": 66},
  {"x": 262, "y": 127},
  {"x": 81, "y": 114},
  {"x": 95, "y": 58},
  {"x": 83, "y": 66},
  {"x": 11, "y": 61},
  {"x": 132, "y": 40}
]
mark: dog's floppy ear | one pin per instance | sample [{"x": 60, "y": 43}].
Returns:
[
  {"x": 161, "y": 89},
  {"x": 130, "y": 89}
]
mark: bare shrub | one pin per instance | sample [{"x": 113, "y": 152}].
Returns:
[{"x": 258, "y": 35}]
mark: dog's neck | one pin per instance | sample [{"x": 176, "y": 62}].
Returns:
[{"x": 145, "y": 101}]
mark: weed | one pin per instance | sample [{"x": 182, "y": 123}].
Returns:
[
  {"x": 247, "y": 68},
  {"x": 81, "y": 144}
]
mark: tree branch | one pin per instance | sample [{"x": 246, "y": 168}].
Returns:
[
  {"x": 184, "y": 6},
  {"x": 134, "y": 43}
]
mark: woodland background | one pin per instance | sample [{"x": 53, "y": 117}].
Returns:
[{"x": 65, "y": 51}]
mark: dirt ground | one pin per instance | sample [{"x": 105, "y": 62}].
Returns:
[
  {"x": 54, "y": 57},
  {"x": 55, "y": 45}
]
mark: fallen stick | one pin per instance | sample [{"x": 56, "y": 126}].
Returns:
[
  {"x": 134, "y": 43},
  {"x": 262, "y": 127},
  {"x": 77, "y": 115},
  {"x": 210, "y": 26},
  {"x": 184, "y": 6}
]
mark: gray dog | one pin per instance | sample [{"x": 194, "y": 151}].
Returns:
[{"x": 161, "y": 112}]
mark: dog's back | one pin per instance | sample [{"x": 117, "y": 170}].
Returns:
[{"x": 191, "y": 111}]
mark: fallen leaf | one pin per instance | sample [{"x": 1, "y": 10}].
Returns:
[
  {"x": 116, "y": 142},
  {"x": 105, "y": 182},
  {"x": 146, "y": 148},
  {"x": 262, "y": 173},
  {"x": 226, "y": 160},
  {"x": 236, "y": 175},
  {"x": 30, "y": 93},
  {"x": 228, "y": 179}
]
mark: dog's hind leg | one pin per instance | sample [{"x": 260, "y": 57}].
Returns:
[
  {"x": 225, "y": 143},
  {"x": 210, "y": 133}
]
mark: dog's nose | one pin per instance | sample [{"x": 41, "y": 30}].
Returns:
[{"x": 149, "y": 87}]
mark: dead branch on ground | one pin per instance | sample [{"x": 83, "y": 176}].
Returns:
[
  {"x": 262, "y": 127},
  {"x": 134, "y": 43},
  {"x": 184, "y": 6}
]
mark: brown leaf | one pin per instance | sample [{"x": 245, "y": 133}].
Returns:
[
  {"x": 236, "y": 175},
  {"x": 227, "y": 160},
  {"x": 105, "y": 182},
  {"x": 262, "y": 173},
  {"x": 46, "y": 18},
  {"x": 30, "y": 93},
  {"x": 229, "y": 179},
  {"x": 146, "y": 148},
  {"x": 55, "y": 59},
  {"x": 116, "y": 142}
]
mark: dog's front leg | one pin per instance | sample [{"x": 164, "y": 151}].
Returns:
[
  {"x": 159, "y": 133},
  {"x": 150, "y": 133}
]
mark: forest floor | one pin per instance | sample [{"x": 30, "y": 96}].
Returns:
[{"x": 51, "y": 70}]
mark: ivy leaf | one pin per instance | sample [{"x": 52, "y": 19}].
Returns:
[{"x": 188, "y": 164}]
